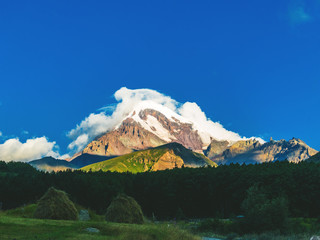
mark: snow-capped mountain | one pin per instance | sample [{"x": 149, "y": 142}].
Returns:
[
  {"x": 151, "y": 125},
  {"x": 147, "y": 127}
]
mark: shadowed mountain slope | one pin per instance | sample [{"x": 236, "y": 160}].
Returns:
[{"x": 50, "y": 164}]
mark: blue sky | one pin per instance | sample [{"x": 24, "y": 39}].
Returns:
[{"x": 254, "y": 66}]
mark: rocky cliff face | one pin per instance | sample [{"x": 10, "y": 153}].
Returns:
[
  {"x": 251, "y": 151},
  {"x": 146, "y": 129},
  {"x": 129, "y": 137},
  {"x": 168, "y": 161},
  {"x": 216, "y": 148},
  {"x": 237, "y": 149},
  {"x": 175, "y": 130},
  {"x": 294, "y": 150}
]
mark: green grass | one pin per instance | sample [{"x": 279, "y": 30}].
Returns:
[
  {"x": 24, "y": 211},
  {"x": 19, "y": 224},
  {"x": 132, "y": 162},
  {"x": 142, "y": 161},
  {"x": 28, "y": 212},
  {"x": 27, "y": 228}
]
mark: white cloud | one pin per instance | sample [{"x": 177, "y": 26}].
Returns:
[
  {"x": 128, "y": 100},
  {"x": 14, "y": 150},
  {"x": 208, "y": 129},
  {"x": 82, "y": 140},
  {"x": 205, "y": 126},
  {"x": 96, "y": 124}
]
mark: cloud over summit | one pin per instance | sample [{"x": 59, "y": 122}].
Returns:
[
  {"x": 96, "y": 124},
  {"x": 128, "y": 99}
]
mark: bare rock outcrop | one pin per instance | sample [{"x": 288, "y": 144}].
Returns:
[
  {"x": 168, "y": 161},
  {"x": 127, "y": 138},
  {"x": 182, "y": 133},
  {"x": 132, "y": 136},
  {"x": 215, "y": 148},
  {"x": 251, "y": 151}
]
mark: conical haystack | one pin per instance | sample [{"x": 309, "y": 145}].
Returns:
[
  {"x": 124, "y": 209},
  {"x": 55, "y": 204}
]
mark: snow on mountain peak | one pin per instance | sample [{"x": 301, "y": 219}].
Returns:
[
  {"x": 166, "y": 111},
  {"x": 191, "y": 114}
]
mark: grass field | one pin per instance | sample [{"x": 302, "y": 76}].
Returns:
[{"x": 17, "y": 224}]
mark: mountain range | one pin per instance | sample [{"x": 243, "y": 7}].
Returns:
[
  {"x": 136, "y": 142},
  {"x": 51, "y": 164}
]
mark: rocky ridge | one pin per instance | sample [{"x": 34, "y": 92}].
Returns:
[
  {"x": 252, "y": 151},
  {"x": 148, "y": 129}
]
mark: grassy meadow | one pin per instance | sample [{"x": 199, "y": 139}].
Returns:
[{"x": 19, "y": 224}]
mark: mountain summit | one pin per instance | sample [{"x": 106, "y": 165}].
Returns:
[{"x": 148, "y": 127}]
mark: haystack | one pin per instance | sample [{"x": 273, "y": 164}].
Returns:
[
  {"x": 55, "y": 204},
  {"x": 124, "y": 209}
]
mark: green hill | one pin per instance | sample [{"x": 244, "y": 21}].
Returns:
[{"x": 168, "y": 156}]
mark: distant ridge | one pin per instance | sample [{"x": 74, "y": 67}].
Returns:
[
  {"x": 251, "y": 151},
  {"x": 50, "y": 164}
]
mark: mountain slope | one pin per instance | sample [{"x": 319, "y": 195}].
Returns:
[
  {"x": 251, "y": 151},
  {"x": 125, "y": 139},
  {"x": 87, "y": 159},
  {"x": 215, "y": 148},
  {"x": 168, "y": 156},
  {"x": 50, "y": 164},
  {"x": 143, "y": 129}
]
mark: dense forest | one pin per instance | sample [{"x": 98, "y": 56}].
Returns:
[{"x": 190, "y": 192}]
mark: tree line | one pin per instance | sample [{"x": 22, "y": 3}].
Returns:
[{"x": 189, "y": 192}]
